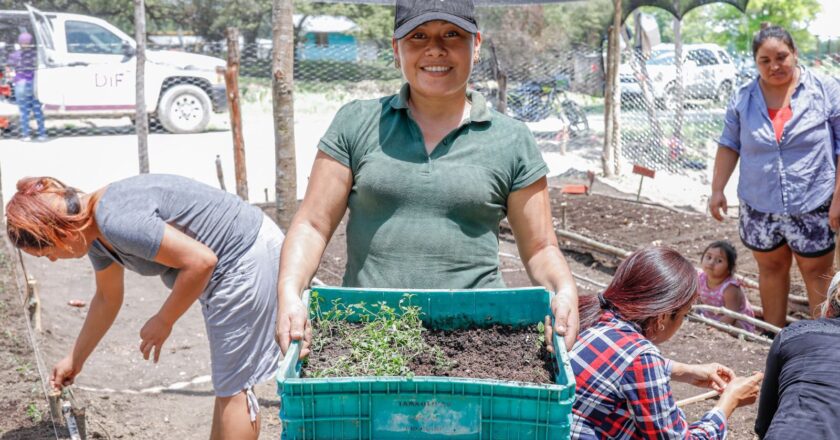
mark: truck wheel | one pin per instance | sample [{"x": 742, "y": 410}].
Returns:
[{"x": 184, "y": 108}]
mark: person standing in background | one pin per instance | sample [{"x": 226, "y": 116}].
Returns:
[{"x": 24, "y": 61}]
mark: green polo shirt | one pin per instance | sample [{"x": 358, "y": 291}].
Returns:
[{"x": 425, "y": 221}]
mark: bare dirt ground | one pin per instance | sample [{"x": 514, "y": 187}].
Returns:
[{"x": 186, "y": 413}]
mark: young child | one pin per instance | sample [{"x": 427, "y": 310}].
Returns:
[{"x": 718, "y": 286}]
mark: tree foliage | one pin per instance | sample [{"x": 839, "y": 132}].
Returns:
[{"x": 725, "y": 25}]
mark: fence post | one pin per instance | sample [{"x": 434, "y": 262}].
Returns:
[
  {"x": 612, "y": 103},
  {"x": 232, "y": 85},
  {"x": 678, "y": 64},
  {"x": 282, "y": 72},
  {"x": 141, "y": 119}
]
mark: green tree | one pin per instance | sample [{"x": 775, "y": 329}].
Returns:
[{"x": 725, "y": 25}]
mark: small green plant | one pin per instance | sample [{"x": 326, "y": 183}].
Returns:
[
  {"x": 383, "y": 342},
  {"x": 540, "y": 341},
  {"x": 33, "y": 413}
]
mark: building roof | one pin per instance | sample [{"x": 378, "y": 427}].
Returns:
[{"x": 325, "y": 23}]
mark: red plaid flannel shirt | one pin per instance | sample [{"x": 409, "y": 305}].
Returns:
[{"x": 624, "y": 391}]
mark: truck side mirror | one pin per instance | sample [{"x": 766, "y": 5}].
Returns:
[{"x": 128, "y": 50}]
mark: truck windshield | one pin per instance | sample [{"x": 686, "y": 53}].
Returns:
[{"x": 90, "y": 38}]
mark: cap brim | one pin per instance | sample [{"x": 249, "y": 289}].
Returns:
[{"x": 410, "y": 25}]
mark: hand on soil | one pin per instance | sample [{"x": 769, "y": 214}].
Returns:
[
  {"x": 152, "y": 337},
  {"x": 717, "y": 203},
  {"x": 63, "y": 373},
  {"x": 292, "y": 325}
]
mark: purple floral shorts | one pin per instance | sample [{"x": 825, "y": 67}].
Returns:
[{"x": 808, "y": 235}]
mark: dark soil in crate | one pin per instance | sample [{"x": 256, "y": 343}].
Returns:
[{"x": 497, "y": 352}]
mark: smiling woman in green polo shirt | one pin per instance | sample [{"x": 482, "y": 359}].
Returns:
[{"x": 427, "y": 174}]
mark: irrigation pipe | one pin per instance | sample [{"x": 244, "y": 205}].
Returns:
[
  {"x": 728, "y": 328},
  {"x": 739, "y": 316}
]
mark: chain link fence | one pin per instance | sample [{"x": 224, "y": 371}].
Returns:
[{"x": 75, "y": 77}]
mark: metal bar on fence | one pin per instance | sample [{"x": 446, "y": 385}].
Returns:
[
  {"x": 234, "y": 104},
  {"x": 141, "y": 119}
]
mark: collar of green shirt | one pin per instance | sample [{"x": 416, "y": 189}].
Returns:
[{"x": 478, "y": 110}]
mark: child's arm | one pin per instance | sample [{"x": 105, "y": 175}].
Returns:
[{"x": 733, "y": 299}]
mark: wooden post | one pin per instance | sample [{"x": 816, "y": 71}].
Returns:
[
  {"x": 679, "y": 115},
  {"x": 501, "y": 79},
  {"x": 282, "y": 69},
  {"x": 33, "y": 303},
  {"x": 612, "y": 97},
  {"x": 141, "y": 119},
  {"x": 219, "y": 173},
  {"x": 55, "y": 404},
  {"x": 232, "y": 85}
]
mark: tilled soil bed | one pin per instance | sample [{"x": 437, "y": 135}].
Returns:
[{"x": 497, "y": 352}]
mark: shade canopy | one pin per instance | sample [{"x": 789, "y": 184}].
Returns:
[{"x": 676, "y": 7}]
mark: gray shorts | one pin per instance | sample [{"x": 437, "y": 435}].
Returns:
[
  {"x": 808, "y": 235},
  {"x": 239, "y": 313}
]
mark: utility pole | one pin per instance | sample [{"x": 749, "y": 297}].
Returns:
[{"x": 282, "y": 72}]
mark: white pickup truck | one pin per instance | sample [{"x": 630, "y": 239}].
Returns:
[{"x": 87, "y": 69}]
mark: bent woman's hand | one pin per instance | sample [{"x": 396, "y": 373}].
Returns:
[
  {"x": 292, "y": 324},
  {"x": 717, "y": 203},
  {"x": 64, "y": 373},
  {"x": 153, "y": 335}
]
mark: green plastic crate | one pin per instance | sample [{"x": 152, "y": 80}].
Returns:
[{"x": 424, "y": 407}]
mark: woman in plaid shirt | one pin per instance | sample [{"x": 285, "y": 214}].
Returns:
[{"x": 623, "y": 382}]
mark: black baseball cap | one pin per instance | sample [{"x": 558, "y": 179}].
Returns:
[{"x": 413, "y": 13}]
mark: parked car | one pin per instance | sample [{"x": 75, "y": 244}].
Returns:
[
  {"x": 708, "y": 72},
  {"x": 87, "y": 68}
]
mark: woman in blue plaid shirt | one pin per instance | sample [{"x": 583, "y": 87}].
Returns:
[{"x": 623, "y": 382}]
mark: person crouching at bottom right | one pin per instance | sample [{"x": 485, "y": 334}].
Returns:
[
  {"x": 799, "y": 393},
  {"x": 623, "y": 382}
]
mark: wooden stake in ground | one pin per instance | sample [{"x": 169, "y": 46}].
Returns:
[
  {"x": 219, "y": 173},
  {"x": 282, "y": 73},
  {"x": 33, "y": 303},
  {"x": 141, "y": 119},
  {"x": 232, "y": 85}
]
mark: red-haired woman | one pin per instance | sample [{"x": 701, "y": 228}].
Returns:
[
  {"x": 205, "y": 244},
  {"x": 623, "y": 382}
]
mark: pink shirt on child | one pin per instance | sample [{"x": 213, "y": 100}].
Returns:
[{"x": 714, "y": 297}]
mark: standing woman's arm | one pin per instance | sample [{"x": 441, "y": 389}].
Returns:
[
  {"x": 529, "y": 214},
  {"x": 725, "y": 161},
  {"x": 312, "y": 227},
  {"x": 728, "y": 153},
  {"x": 833, "y": 103},
  {"x": 103, "y": 310}
]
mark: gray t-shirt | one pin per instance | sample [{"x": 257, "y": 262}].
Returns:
[{"x": 131, "y": 215}]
